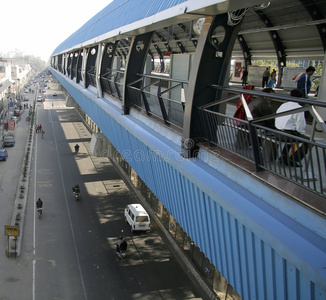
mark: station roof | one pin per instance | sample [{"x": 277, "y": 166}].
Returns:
[{"x": 297, "y": 27}]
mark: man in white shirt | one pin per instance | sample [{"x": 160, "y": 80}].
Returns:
[{"x": 294, "y": 124}]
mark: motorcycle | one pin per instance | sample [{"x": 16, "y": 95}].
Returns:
[
  {"x": 76, "y": 195},
  {"x": 39, "y": 211},
  {"x": 76, "y": 192},
  {"x": 121, "y": 248},
  {"x": 77, "y": 149}
]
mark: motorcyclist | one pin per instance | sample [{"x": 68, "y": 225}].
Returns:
[
  {"x": 76, "y": 189},
  {"x": 39, "y": 205},
  {"x": 76, "y": 148},
  {"x": 121, "y": 245}
]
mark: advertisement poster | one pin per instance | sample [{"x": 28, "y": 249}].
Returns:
[
  {"x": 236, "y": 71},
  {"x": 255, "y": 75}
]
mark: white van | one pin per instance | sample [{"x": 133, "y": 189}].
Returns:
[{"x": 137, "y": 217}]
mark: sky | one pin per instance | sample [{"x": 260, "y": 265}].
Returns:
[{"x": 37, "y": 27}]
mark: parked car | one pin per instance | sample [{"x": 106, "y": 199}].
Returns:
[
  {"x": 55, "y": 94},
  {"x": 16, "y": 112},
  {"x": 26, "y": 98},
  {"x": 14, "y": 118},
  {"x": 3, "y": 154},
  {"x": 39, "y": 98},
  {"x": 9, "y": 141}
]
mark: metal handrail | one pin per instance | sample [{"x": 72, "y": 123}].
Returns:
[
  {"x": 301, "y": 101},
  {"x": 163, "y": 78},
  {"x": 169, "y": 110},
  {"x": 270, "y": 149},
  {"x": 307, "y": 105}
]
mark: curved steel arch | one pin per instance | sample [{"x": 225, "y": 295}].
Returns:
[
  {"x": 277, "y": 42},
  {"x": 245, "y": 50},
  {"x": 315, "y": 13},
  {"x": 210, "y": 64},
  {"x": 161, "y": 56}
]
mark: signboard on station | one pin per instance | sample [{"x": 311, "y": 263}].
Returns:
[
  {"x": 255, "y": 74},
  {"x": 11, "y": 230}
]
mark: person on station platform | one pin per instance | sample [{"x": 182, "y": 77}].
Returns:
[
  {"x": 273, "y": 73},
  {"x": 294, "y": 124},
  {"x": 304, "y": 82},
  {"x": 244, "y": 76},
  {"x": 240, "y": 112},
  {"x": 261, "y": 107},
  {"x": 272, "y": 81},
  {"x": 266, "y": 75}
]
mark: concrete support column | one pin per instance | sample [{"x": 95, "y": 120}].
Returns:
[
  {"x": 70, "y": 102},
  {"x": 100, "y": 145}
]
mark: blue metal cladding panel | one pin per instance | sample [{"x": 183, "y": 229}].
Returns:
[
  {"x": 210, "y": 233},
  {"x": 226, "y": 228},
  {"x": 117, "y": 14}
]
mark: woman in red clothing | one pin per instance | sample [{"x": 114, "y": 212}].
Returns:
[{"x": 240, "y": 112}]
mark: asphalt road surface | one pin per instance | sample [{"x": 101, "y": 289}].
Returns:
[{"x": 70, "y": 252}]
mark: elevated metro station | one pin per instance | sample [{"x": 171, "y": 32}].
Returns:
[{"x": 158, "y": 83}]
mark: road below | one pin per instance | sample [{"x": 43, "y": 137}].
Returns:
[{"x": 70, "y": 252}]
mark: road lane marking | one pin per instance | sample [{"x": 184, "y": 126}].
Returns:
[
  {"x": 34, "y": 262},
  {"x": 69, "y": 215},
  {"x": 68, "y": 212}
]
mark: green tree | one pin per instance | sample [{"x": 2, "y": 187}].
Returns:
[{"x": 37, "y": 64}]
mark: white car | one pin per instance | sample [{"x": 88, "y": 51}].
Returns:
[{"x": 137, "y": 217}]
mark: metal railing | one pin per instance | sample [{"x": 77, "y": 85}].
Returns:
[
  {"x": 91, "y": 76},
  {"x": 159, "y": 96},
  {"x": 79, "y": 72},
  {"x": 74, "y": 72},
  {"x": 112, "y": 83},
  {"x": 297, "y": 159}
]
